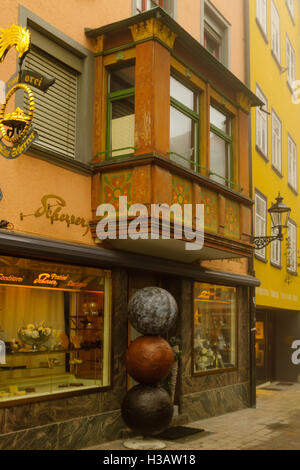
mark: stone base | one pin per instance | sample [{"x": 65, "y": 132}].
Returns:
[{"x": 144, "y": 443}]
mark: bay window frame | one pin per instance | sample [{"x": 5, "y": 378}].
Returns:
[
  {"x": 228, "y": 138},
  {"x": 195, "y": 116}
]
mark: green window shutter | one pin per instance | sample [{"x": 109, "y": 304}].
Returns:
[{"x": 55, "y": 110}]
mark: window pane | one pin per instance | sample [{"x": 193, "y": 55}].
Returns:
[
  {"x": 212, "y": 45},
  {"x": 219, "y": 158},
  {"x": 183, "y": 94},
  {"x": 122, "y": 126},
  {"x": 122, "y": 79},
  {"x": 55, "y": 324},
  {"x": 182, "y": 137},
  {"x": 214, "y": 327},
  {"x": 219, "y": 120}
]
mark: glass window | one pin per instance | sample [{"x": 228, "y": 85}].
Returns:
[
  {"x": 290, "y": 62},
  {"x": 275, "y": 31},
  {"x": 275, "y": 248},
  {"x": 262, "y": 124},
  {"x": 214, "y": 337},
  {"x": 261, "y": 14},
  {"x": 55, "y": 323},
  {"x": 143, "y": 5},
  {"x": 291, "y": 247},
  {"x": 291, "y": 8},
  {"x": 292, "y": 164},
  {"x": 220, "y": 147},
  {"x": 216, "y": 34},
  {"x": 184, "y": 124},
  {"x": 260, "y": 221},
  {"x": 276, "y": 142},
  {"x": 121, "y": 115}
]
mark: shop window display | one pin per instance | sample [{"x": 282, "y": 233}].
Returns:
[
  {"x": 55, "y": 324},
  {"x": 214, "y": 342}
]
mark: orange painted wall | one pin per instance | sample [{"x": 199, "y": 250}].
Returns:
[
  {"x": 233, "y": 11},
  {"x": 25, "y": 180},
  {"x": 188, "y": 16}
]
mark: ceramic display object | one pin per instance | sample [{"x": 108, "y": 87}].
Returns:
[{"x": 147, "y": 408}]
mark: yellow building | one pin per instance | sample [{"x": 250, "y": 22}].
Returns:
[{"x": 274, "y": 65}]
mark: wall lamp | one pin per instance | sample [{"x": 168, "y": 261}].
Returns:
[{"x": 280, "y": 214}]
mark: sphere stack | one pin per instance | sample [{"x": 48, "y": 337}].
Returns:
[{"x": 147, "y": 408}]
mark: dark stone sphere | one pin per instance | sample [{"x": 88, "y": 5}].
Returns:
[
  {"x": 152, "y": 311},
  {"x": 149, "y": 359},
  {"x": 147, "y": 410}
]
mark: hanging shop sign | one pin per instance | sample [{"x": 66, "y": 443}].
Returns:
[
  {"x": 29, "y": 77},
  {"x": 52, "y": 208},
  {"x": 16, "y": 128}
]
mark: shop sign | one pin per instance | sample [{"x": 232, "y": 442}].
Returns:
[
  {"x": 16, "y": 127},
  {"x": 31, "y": 78},
  {"x": 16, "y": 150},
  {"x": 51, "y": 208}
]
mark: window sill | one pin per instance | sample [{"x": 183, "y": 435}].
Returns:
[
  {"x": 214, "y": 371},
  {"x": 64, "y": 162},
  {"x": 260, "y": 258},
  {"x": 292, "y": 273},
  {"x": 278, "y": 172},
  {"x": 262, "y": 154},
  {"x": 290, "y": 86},
  {"x": 277, "y": 61},
  {"x": 277, "y": 266},
  {"x": 293, "y": 189},
  {"x": 265, "y": 38}
]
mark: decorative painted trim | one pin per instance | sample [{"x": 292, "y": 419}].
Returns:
[
  {"x": 244, "y": 102},
  {"x": 153, "y": 28}
]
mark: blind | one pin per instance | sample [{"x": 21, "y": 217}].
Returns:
[{"x": 55, "y": 110}]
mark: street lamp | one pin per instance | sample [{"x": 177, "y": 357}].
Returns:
[{"x": 279, "y": 213}]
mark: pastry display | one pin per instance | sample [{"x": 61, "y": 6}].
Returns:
[
  {"x": 30, "y": 390},
  {"x": 20, "y": 393},
  {"x": 34, "y": 335}
]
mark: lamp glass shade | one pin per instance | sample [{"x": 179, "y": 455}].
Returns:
[{"x": 279, "y": 213}]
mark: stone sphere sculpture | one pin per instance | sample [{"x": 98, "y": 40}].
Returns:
[
  {"x": 152, "y": 311},
  {"x": 149, "y": 359},
  {"x": 147, "y": 410}
]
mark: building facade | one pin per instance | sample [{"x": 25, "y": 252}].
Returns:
[
  {"x": 274, "y": 68},
  {"x": 139, "y": 110}
]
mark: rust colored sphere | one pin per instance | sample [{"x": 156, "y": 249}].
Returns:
[{"x": 149, "y": 359}]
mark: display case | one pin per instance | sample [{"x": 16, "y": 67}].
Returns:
[
  {"x": 55, "y": 327},
  {"x": 214, "y": 327}
]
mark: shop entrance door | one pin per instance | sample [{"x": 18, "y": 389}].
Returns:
[{"x": 264, "y": 348}]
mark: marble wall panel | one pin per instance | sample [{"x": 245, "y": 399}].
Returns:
[
  {"x": 89, "y": 431},
  {"x": 209, "y": 403},
  {"x": 46, "y": 412},
  {"x": 42, "y": 438}
]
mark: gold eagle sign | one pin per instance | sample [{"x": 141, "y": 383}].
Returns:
[
  {"x": 14, "y": 36},
  {"x": 15, "y": 127}
]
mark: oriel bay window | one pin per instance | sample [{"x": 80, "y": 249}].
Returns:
[
  {"x": 55, "y": 328},
  {"x": 184, "y": 125},
  {"x": 220, "y": 147},
  {"x": 120, "y": 112},
  {"x": 214, "y": 328}
]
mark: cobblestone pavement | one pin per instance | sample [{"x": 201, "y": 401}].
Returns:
[{"x": 273, "y": 425}]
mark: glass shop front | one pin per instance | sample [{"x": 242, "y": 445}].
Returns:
[
  {"x": 214, "y": 328},
  {"x": 55, "y": 323}
]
